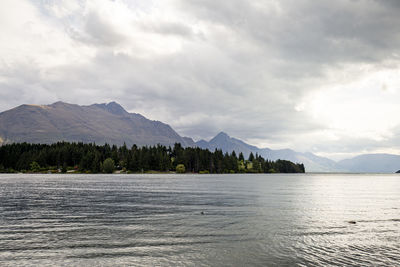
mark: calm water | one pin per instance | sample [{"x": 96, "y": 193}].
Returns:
[{"x": 156, "y": 220}]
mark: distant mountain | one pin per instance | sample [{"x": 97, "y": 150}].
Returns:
[
  {"x": 368, "y": 163},
  {"x": 312, "y": 163},
  {"x": 111, "y": 123},
  {"x": 188, "y": 142},
  {"x": 100, "y": 123},
  {"x": 227, "y": 144},
  {"x": 376, "y": 163}
]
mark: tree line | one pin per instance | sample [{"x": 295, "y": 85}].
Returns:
[{"x": 92, "y": 158}]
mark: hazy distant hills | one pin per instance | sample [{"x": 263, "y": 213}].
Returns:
[
  {"x": 227, "y": 144},
  {"x": 375, "y": 163},
  {"x": 312, "y": 163},
  {"x": 111, "y": 123},
  {"x": 100, "y": 123},
  {"x": 379, "y": 163}
]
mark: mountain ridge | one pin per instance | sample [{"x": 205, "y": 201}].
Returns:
[
  {"x": 366, "y": 163},
  {"x": 228, "y": 144},
  {"x": 111, "y": 123},
  {"x": 376, "y": 162},
  {"x": 99, "y": 123}
]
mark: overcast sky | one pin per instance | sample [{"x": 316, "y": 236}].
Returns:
[{"x": 318, "y": 76}]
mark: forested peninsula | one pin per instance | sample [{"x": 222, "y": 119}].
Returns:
[{"x": 91, "y": 158}]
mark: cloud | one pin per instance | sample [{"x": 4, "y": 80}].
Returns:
[
  {"x": 300, "y": 74},
  {"x": 168, "y": 28}
]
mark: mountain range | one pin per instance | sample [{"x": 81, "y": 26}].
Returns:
[
  {"x": 313, "y": 163},
  {"x": 99, "y": 123},
  {"x": 368, "y": 163},
  {"x": 111, "y": 123}
]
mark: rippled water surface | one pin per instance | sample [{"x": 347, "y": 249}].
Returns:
[{"x": 157, "y": 220}]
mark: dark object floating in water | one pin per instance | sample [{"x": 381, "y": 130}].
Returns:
[
  {"x": 352, "y": 222},
  {"x": 202, "y": 213}
]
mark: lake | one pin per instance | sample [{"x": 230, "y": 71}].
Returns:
[{"x": 199, "y": 220}]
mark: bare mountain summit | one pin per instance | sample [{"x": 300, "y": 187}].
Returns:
[{"x": 99, "y": 123}]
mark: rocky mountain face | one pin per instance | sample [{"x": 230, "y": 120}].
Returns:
[{"x": 99, "y": 123}]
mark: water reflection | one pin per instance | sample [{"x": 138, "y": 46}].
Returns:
[{"x": 157, "y": 220}]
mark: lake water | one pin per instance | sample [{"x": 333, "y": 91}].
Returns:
[{"x": 156, "y": 220}]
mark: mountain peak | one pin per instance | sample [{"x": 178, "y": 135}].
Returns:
[
  {"x": 222, "y": 135},
  {"x": 112, "y": 107},
  {"x": 220, "y": 138},
  {"x": 99, "y": 123},
  {"x": 113, "y": 103},
  {"x": 58, "y": 103},
  {"x": 115, "y": 108}
]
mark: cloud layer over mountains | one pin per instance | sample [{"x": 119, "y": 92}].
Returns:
[{"x": 319, "y": 76}]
